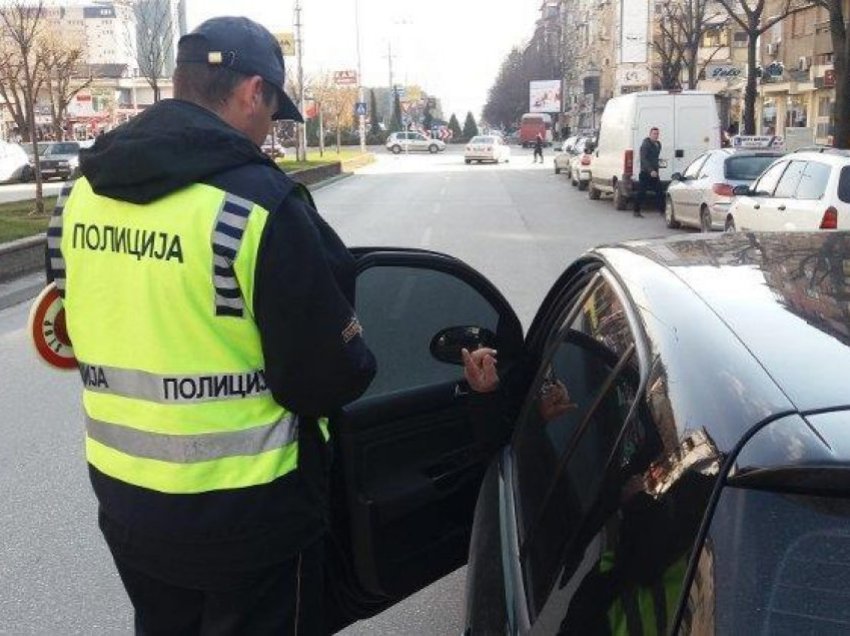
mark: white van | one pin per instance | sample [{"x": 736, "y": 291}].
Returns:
[{"x": 687, "y": 121}]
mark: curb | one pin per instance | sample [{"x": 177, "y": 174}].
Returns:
[{"x": 22, "y": 259}]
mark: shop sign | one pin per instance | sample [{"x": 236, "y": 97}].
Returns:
[{"x": 723, "y": 71}]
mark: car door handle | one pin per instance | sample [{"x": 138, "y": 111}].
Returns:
[{"x": 781, "y": 208}]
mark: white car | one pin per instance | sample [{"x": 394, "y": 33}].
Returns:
[
  {"x": 399, "y": 142},
  {"x": 14, "y": 163},
  {"x": 562, "y": 159},
  {"x": 486, "y": 148},
  {"x": 800, "y": 191},
  {"x": 700, "y": 196},
  {"x": 580, "y": 162}
]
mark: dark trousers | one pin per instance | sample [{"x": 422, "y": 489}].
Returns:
[
  {"x": 647, "y": 182},
  {"x": 538, "y": 152},
  {"x": 282, "y": 599}
]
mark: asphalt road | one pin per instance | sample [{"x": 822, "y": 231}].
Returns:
[
  {"x": 517, "y": 223},
  {"x": 21, "y": 191}
]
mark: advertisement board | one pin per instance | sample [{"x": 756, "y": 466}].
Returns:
[
  {"x": 634, "y": 24},
  {"x": 720, "y": 72},
  {"x": 544, "y": 96}
]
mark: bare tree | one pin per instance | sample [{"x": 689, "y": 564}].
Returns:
[
  {"x": 154, "y": 40},
  {"x": 337, "y": 102},
  {"x": 62, "y": 63},
  {"x": 840, "y": 58},
  {"x": 749, "y": 15},
  {"x": 20, "y": 25},
  {"x": 669, "y": 46}
]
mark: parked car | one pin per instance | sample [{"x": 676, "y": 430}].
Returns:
[
  {"x": 273, "y": 148},
  {"x": 14, "y": 163},
  {"x": 486, "y": 148},
  {"x": 29, "y": 148},
  {"x": 700, "y": 196},
  {"x": 580, "y": 162},
  {"x": 61, "y": 159},
  {"x": 399, "y": 142},
  {"x": 701, "y": 438},
  {"x": 801, "y": 191},
  {"x": 562, "y": 159},
  {"x": 688, "y": 124}
]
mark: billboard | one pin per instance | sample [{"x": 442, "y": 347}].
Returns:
[
  {"x": 544, "y": 96},
  {"x": 634, "y": 21}
]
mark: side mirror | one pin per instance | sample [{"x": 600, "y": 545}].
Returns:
[
  {"x": 446, "y": 345},
  {"x": 677, "y": 176},
  {"x": 741, "y": 191}
]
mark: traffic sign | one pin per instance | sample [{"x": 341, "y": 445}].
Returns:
[
  {"x": 360, "y": 109},
  {"x": 46, "y": 326},
  {"x": 345, "y": 78},
  {"x": 399, "y": 90},
  {"x": 287, "y": 42}
]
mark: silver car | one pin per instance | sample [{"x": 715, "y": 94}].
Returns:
[
  {"x": 700, "y": 196},
  {"x": 399, "y": 142}
]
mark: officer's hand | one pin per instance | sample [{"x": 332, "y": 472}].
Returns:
[
  {"x": 653, "y": 174},
  {"x": 479, "y": 369}
]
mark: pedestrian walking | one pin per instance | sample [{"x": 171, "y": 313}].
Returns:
[
  {"x": 650, "y": 151},
  {"x": 538, "y": 148},
  {"x": 210, "y": 307}
]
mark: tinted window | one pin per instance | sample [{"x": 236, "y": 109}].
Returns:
[
  {"x": 401, "y": 310},
  {"x": 787, "y": 187},
  {"x": 814, "y": 180},
  {"x": 767, "y": 182},
  {"x": 64, "y": 149},
  {"x": 788, "y": 557},
  {"x": 844, "y": 185},
  {"x": 746, "y": 168},
  {"x": 571, "y": 423},
  {"x": 693, "y": 169}
]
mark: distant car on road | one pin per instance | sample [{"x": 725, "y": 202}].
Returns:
[
  {"x": 273, "y": 148},
  {"x": 399, "y": 142},
  {"x": 580, "y": 162},
  {"x": 701, "y": 195},
  {"x": 14, "y": 163},
  {"x": 61, "y": 160},
  {"x": 486, "y": 148},
  {"x": 801, "y": 191},
  {"x": 562, "y": 159}
]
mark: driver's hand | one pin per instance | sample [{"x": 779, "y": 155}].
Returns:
[
  {"x": 479, "y": 369},
  {"x": 555, "y": 401},
  {"x": 653, "y": 174}
]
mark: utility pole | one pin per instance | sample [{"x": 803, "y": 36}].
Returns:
[
  {"x": 302, "y": 128},
  {"x": 360, "y": 96},
  {"x": 392, "y": 88}
]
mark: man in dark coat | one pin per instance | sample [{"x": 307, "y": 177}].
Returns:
[{"x": 650, "y": 150}]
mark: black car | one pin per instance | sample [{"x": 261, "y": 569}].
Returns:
[{"x": 699, "y": 483}]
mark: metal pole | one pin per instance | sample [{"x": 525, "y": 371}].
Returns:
[
  {"x": 392, "y": 88},
  {"x": 360, "y": 96},
  {"x": 302, "y": 128}
]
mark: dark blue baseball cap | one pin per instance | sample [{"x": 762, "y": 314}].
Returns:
[{"x": 246, "y": 47}]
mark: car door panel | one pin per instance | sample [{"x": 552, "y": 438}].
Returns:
[{"x": 407, "y": 465}]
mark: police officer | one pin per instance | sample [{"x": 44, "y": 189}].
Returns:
[{"x": 210, "y": 310}]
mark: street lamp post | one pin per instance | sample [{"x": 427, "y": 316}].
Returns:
[
  {"x": 301, "y": 128},
  {"x": 360, "y": 96}
]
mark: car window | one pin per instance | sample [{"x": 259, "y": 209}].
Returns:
[
  {"x": 787, "y": 186},
  {"x": 419, "y": 137},
  {"x": 408, "y": 306},
  {"x": 693, "y": 170},
  {"x": 787, "y": 555},
  {"x": 563, "y": 444},
  {"x": 747, "y": 167},
  {"x": 64, "y": 149},
  {"x": 767, "y": 182},
  {"x": 844, "y": 185},
  {"x": 814, "y": 180}
]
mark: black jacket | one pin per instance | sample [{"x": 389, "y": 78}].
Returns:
[
  {"x": 649, "y": 153},
  {"x": 302, "y": 305}
]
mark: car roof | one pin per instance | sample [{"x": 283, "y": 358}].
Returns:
[
  {"x": 746, "y": 326},
  {"x": 832, "y": 158}
]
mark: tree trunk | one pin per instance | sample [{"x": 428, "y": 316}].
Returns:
[
  {"x": 751, "y": 90},
  {"x": 29, "y": 99},
  {"x": 841, "y": 111},
  {"x": 338, "y": 135}
]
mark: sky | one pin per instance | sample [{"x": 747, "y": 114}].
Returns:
[{"x": 451, "y": 48}]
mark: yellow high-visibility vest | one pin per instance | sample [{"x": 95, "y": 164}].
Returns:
[{"x": 159, "y": 307}]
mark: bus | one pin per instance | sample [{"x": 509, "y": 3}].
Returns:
[{"x": 533, "y": 123}]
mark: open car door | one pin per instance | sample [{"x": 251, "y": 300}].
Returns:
[{"x": 406, "y": 468}]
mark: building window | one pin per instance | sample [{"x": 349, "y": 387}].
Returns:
[
  {"x": 825, "y": 105},
  {"x": 715, "y": 37},
  {"x": 740, "y": 39},
  {"x": 768, "y": 116}
]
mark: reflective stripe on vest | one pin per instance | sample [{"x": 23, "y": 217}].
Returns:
[
  {"x": 54, "y": 239},
  {"x": 173, "y": 389},
  {"x": 189, "y": 449},
  {"x": 227, "y": 238}
]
